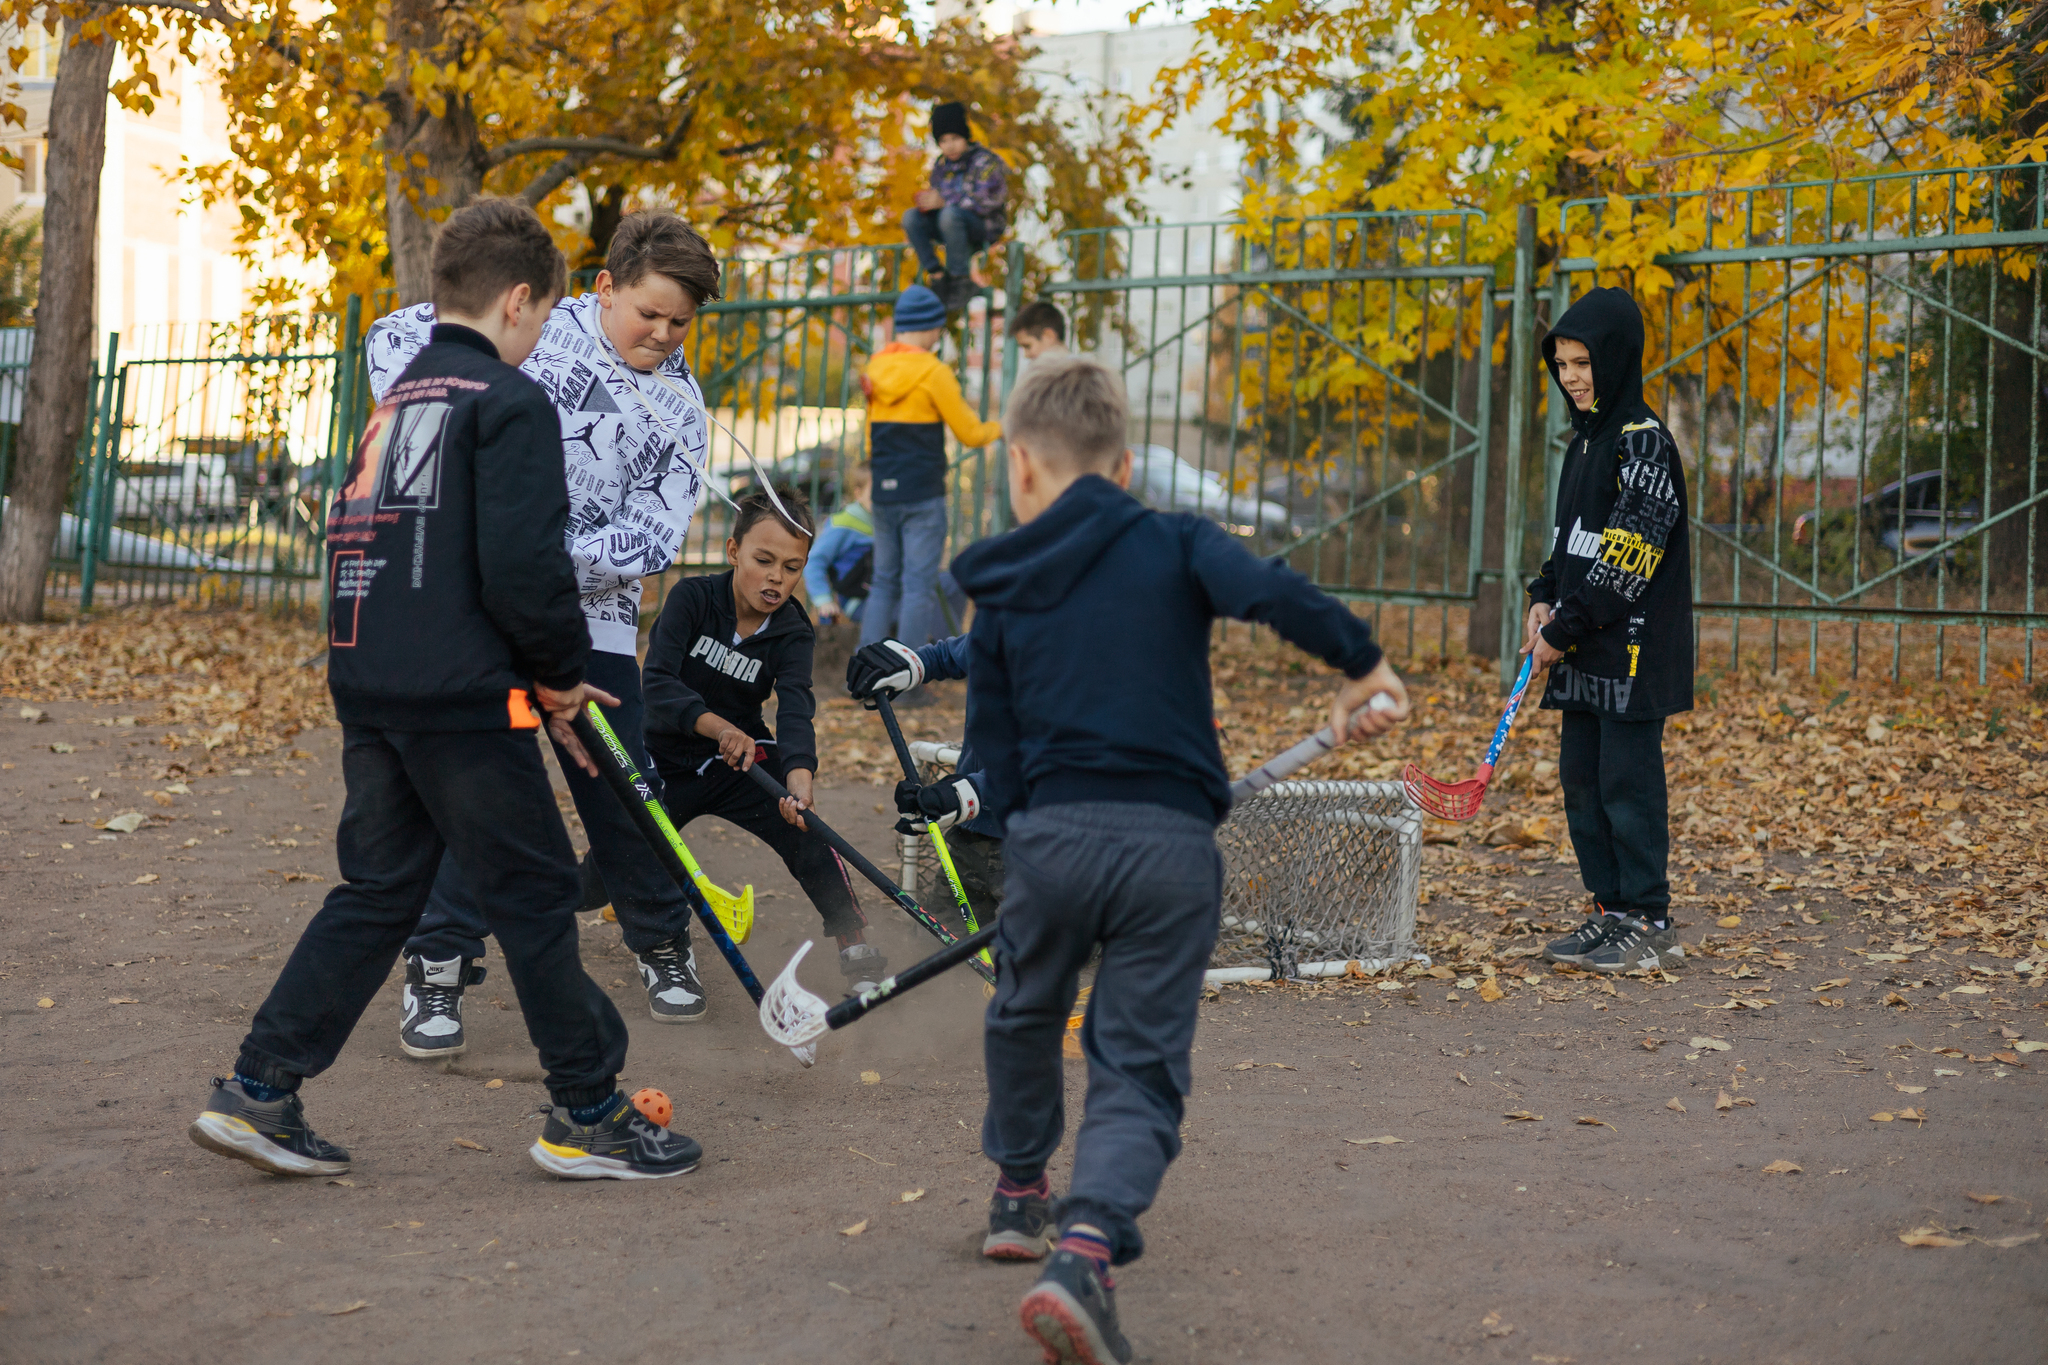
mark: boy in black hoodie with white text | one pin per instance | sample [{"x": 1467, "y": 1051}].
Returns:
[
  {"x": 723, "y": 644},
  {"x": 453, "y": 611},
  {"x": 1611, "y": 618},
  {"x": 1089, "y": 702}
]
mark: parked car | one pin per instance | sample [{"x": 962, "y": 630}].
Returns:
[
  {"x": 1162, "y": 479},
  {"x": 1906, "y": 517},
  {"x": 196, "y": 488},
  {"x": 797, "y": 470}
]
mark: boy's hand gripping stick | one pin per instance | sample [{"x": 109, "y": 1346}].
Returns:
[
  {"x": 1460, "y": 800},
  {"x": 1282, "y": 766},
  {"x": 880, "y": 702},
  {"x": 638, "y": 798},
  {"x": 859, "y": 862}
]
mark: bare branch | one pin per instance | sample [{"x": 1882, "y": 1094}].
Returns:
[
  {"x": 204, "y": 9},
  {"x": 545, "y": 184},
  {"x": 591, "y": 146}
]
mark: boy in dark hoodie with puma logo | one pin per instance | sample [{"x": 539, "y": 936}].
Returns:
[
  {"x": 1611, "y": 618},
  {"x": 1089, "y": 703}
]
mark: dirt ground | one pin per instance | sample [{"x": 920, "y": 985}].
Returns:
[{"x": 838, "y": 1211}]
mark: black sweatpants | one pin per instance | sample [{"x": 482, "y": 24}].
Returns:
[
  {"x": 484, "y": 796},
  {"x": 978, "y": 859},
  {"x": 1146, "y": 883},
  {"x": 730, "y": 794},
  {"x": 1612, "y": 772},
  {"x": 620, "y": 868}
]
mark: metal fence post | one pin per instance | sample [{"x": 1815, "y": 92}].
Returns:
[
  {"x": 96, "y": 507},
  {"x": 1520, "y": 359},
  {"x": 1013, "y": 289}
]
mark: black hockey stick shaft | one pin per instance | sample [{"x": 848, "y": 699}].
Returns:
[
  {"x": 623, "y": 776},
  {"x": 880, "y": 701},
  {"x": 859, "y": 862},
  {"x": 916, "y": 974}
]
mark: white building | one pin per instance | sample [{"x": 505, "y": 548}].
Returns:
[{"x": 162, "y": 258}]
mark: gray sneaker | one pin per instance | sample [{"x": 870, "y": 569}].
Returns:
[
  {"x": 1635, "y": 945},
  {"x": 431, "y": 1023},
  {"x": 863, "y": 966},
  {"x": 271, "y": 1135},
  {"x": 1576, "y": 946},
  {"x": 669, "y": 971}
]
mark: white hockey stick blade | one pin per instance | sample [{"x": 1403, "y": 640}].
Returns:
[
  {"x": 792, "y": 1015},
  {"x": 1281, "y": 766}
]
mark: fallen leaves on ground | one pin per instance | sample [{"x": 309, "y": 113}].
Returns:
[
  {"x": 1494, "y": 1327},
  {"x": 1711, "y": 1045},
  {"x": 870, "y": 1078},
  {"x": 1374, "y": 1141},
  {"x": 355, "y": 1307},
  {"x": 856, "y": 1230},
  {"x": 1784, "y": 1167},
  {"x": 1982, "y": 1198},
  {"x": 1673, "y": 1104},
  {"x": 910, "y": 1196},
  {"x": 1931, "y": 1237},
  {"x": 1522, "y": 1116},
  {"x": 469, "y": 1146},
  {"x": 2018, "y": 1239},
  {"x": 1592, "y": 1122}
]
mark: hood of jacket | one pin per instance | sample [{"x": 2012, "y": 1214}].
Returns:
[
  {"x": 1036, "y": 566},
  {"x": 897, "y": 370},
  {"x": 1610, "y": 326}
]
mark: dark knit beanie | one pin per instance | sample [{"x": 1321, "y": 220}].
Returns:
[
  {"x": 950, "y": 117},
  {"x": 918, "y": 309}
]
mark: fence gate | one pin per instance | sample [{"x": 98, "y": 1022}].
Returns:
[
  {"x": 1853, "y": 372},
  {"x": 1323, "y": 389}
]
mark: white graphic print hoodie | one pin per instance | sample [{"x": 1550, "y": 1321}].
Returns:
[{"x": 633, "y": 450}]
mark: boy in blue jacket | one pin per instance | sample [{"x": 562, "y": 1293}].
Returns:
[{"x": 1089, "y": 705}]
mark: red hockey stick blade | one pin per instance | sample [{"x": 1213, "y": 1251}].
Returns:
[{"x": 1446, "y": 800}]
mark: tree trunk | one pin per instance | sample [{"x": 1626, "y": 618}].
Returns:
[
  {"x": 59, "y": 372},
  {"x": 448, "y": 146}
]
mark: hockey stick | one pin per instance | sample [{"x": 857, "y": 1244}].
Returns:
[
  {"x": 1283, "y": 765},
  {"x": 1460, "y": 800},
  {"x": 638, "y": 798},
  {"x": 880, "y": 702},
  {"x": 796, "y": 1018},
  {"x": 860, "y": 863}
]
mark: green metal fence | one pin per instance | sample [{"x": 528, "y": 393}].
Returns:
[{"x": 1853, "y": 370}]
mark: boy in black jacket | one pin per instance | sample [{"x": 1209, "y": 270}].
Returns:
[
  {"x": 1089, "y": 705},
  {"x": 723, "y": 643},
  {"x": 1611, "y": 618},
  {"x": 453, "y": 606}
]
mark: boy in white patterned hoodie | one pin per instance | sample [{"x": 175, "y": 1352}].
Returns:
[{"x": 634, "y": 444}]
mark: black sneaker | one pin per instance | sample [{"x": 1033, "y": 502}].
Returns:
[
  {"x": 431, "y": 1025},
  {"x": 674, "y": 994},
  {"x": 1575, "y": 946},
  {"x": 1019, "y": 1229},
  {"x": 863, "y": 966},
  {"x": 622, "y": 1145},
  {"x": 1636, "y": 945},
  {"x": 1072, "y": 1314},
  {"x": 270, "y": 1135}
]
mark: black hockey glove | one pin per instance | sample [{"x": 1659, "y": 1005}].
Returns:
[
  {"x": 887, "y": 666},
  {"x": 945, "y": 803}
]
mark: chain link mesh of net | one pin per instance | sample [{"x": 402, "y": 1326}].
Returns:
[
  {"x": 1313, "y": 872},
  {"x": 1320, "y": 872}
]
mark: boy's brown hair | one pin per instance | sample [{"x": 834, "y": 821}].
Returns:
[
  {"x": 1042, "y": 317},
  {"x": 1072, "y": 413},
  {"x": 757, "y": 507},
  {"x": 489, "y": 247},
  {"x": 656, "y": 242}
]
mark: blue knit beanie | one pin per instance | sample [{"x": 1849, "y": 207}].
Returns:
[{"x": 918, "y": 310}]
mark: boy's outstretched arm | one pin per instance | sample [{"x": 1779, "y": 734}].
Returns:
[
  {"x": 1267, "y": 591},
  {"x": 946, "y": 397},
  {"x": 1645, "y": 513}
]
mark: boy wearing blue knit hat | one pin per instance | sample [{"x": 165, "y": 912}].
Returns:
[{"x": 912, "y": 399}]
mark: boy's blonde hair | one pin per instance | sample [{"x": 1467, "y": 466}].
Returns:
[{"x": 1072, "y": 413}]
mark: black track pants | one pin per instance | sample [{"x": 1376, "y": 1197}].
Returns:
[{"x": 1612, "y": 772}]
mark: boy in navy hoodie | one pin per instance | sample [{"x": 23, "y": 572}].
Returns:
[
  {"x": 1089, "y": 706},
  {"x": 454, "y": 627}
]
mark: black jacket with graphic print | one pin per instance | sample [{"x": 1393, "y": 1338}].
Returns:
[
  {"x": 693, "y": 667},
  {"x": 450, "y": 593},
  {"x": 1619, "y": 576}
]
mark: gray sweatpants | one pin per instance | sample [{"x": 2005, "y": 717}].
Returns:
[{"x": 1146, "y": 883}]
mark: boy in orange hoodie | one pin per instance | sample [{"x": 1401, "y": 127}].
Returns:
[{"x": 912, "y": 399}]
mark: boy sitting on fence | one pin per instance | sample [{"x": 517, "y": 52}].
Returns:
[{"x": 1089, "y": 704}]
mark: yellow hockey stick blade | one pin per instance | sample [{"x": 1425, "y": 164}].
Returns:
[{"x": 736, "y": 913}]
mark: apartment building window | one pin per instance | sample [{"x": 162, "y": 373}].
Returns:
[{"x": 33, "y": 155}]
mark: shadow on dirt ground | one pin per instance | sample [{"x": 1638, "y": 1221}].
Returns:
[{"x": 1395, "y": 1169}]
